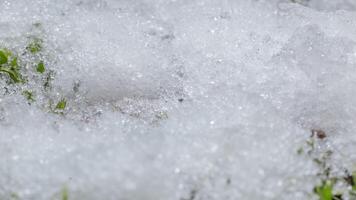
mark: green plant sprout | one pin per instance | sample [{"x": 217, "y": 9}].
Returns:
[
  {"x": 12, "y": 68},
  {"x": 61, "y": 105},
  {"x": 322, "y": 159},
  {"x": 35, "y": 45},
  {"x": 14, "y": 196},
  {"x": 351, "y": 180},
  {"x": 3, "y": 57},
  {"x": 64, "y": 194},
  {"x": 12, "y": 72},
  {"x": 28, "y": 95},
  {"x": 353, "y": 183},
  {"x": 40, "y": 67},
  {"x": 325, "y": 190},
  {"x": 14, "y": 63}
]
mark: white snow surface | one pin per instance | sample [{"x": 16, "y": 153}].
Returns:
[{"x": 179, "y": 99}]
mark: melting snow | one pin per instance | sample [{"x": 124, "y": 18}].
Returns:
[{"x": 177, "y": 100}]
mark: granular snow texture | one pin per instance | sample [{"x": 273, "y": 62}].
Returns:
[{"x": 177, "y": 99}]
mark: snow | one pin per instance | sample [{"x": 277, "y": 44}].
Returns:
[{"x": 177, "y": 100}]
